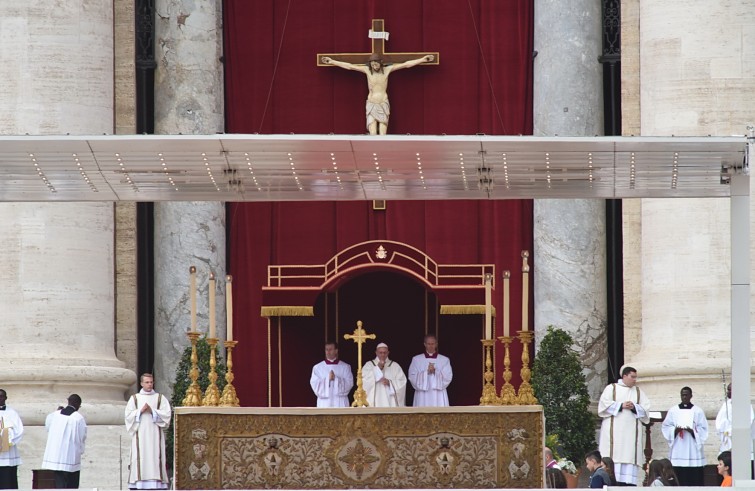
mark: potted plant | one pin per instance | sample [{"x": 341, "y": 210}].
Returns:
[{"x": 560, "y": 386}]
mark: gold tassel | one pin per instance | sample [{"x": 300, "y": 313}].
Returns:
[
  {"x": 288, "y": 311},
  {"x": 463, "y": 309}
]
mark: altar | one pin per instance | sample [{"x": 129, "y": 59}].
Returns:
[{"x": 343, "y": 448}]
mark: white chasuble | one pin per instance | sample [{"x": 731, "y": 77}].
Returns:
[
  {"x": 11, "y": 429},
  {"x": 379, "y": 394}
]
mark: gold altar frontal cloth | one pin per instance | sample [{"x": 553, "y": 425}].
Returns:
[{"x": 343, "y": 448}]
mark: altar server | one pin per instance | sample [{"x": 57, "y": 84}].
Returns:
[
  {"x": 11, "y": 431},
  {"x": 147, "y": 416},
  {"x": 384, "y": 380},
  {"x": 686, "y": 429},
  {"x": 332, "y": 379},
  {"x": 66, "y": 436},
  {"x": 430, "y": 374}
]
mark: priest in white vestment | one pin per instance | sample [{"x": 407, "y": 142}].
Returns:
[
  {"x": 11, "y": 432},
  {"x": 383, "y": 380},
  {"x": 331, "y": 379},
  {"x": 147, "y": 416},
  {"x": 623, "y": 407},
  {"x": 723, "y": 424},
  {"x": 686, "y": 429},
  {"x": 66, "y": 437},
  {"x": 430, "y": 374}
]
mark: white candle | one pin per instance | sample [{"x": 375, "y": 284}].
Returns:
[
  {"x": 506, "y": 278},
  {"x": 525, "y": 290},
  {"x": 488, "y": 307},
  {"x": 212, "y": 305},
  {"x": 193, "y": 297},
  {"x": 229, "y": 306}
]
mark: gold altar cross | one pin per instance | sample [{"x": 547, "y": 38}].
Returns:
[
  {"x": 379, "y": 37},
  {"x": 359, "y": 336}
]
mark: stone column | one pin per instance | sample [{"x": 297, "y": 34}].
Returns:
[
  {"x": 570, "y": 248},
  {"x": 57, "y": 280},
  {"x": 695, "y": 81},
  {"x": 188, "y": 100}
]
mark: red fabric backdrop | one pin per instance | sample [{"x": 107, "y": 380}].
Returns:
[{"x": 482, "y": 85}]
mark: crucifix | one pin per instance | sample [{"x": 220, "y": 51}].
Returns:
[
  {"x": 377, "y": 66},
  {"x": 359, "y": 336}
]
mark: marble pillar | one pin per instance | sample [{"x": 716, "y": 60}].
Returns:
[
  {"x": 57, "y": 282},
  {"x": 569, "y": 235},
  {"x": 188, "y": 100},
  {"x": 696, "y": 78}
]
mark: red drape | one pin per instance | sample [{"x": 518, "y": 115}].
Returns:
[{"x": 482, "y": 85}]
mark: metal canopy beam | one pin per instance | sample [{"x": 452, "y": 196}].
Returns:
[{"x": 342, "y": 167}]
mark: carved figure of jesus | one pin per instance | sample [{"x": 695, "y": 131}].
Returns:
[{"x": 378, "y": 108}]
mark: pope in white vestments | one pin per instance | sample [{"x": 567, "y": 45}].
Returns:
[
  {"x": 383, "y": 380},
  {"x": 686, "y": 429},
  {"x": 331, "y": 379},
  {"x": 430, "y": 374},
  {"x": 623, "y": 407},
  {"x": 66, "y": 438},
  {"x": 147, "y": 416}
]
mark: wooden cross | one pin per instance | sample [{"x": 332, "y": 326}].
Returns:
[
  {"x": 359, "y": 336},
  {"x": 378, "y": 36}
]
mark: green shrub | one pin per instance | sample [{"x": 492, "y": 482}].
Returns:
[
  {"x": 561, "y": 388},
  {"x": 183, "y": 381}
]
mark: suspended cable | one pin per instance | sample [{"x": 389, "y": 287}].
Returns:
[
  {"x": 275, "y": 66},
  {"x": 485, "y": 66}
]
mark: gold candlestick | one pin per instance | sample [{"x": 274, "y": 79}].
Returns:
[
  {"x": 488, "y": 376},
  {"x": 212, "y": 394},
  {"x": 229, "y": 398},
  {"x": 508, "y": 393},
  {"x": 526, "y": 395},
  {"x": 193, "y": 393}
]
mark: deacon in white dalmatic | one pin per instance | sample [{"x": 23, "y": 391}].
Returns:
[
  {"x": 332, "y": 379},
  {"x": 624, "y": 407},
  {"x": 147, "y": 416},
  {"x": 430, "y": 374},
  {"x": 384, "y": 380}
]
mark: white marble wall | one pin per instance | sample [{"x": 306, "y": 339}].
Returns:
[
  {"x": 690, "y": 71},
  {"x": 569, "y": 254},
  {"x": 57, "y": 283},
  {"x": 188, "y": 100},
  {"x": 186, "y": 234},
  {"x": 696, "y": 78}
]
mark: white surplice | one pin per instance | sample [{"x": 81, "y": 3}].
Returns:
[
  {"x": 723, "y": 427},
  {"x": 10, "y": 421},
  {"x": 66, "y": 437},
  {"x": 332, "y": 393},
  {"x": 621, "y": 431},
  {"x": 430, "y": 389},
  {"x": 147, "y": 430},
  {"x": 686, "y": 451},
  {"x": 379, "y": 394}
]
